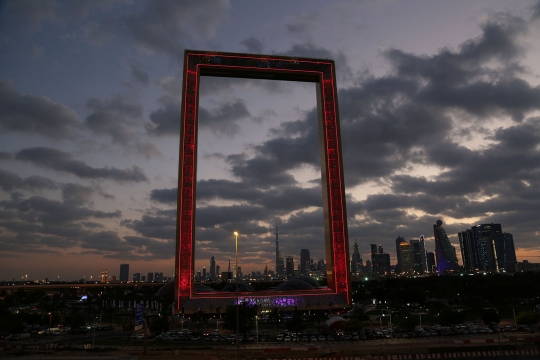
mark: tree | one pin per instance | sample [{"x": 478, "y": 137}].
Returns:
[
  {"x": 246, "y": 316},
  {"x": 490, "y": 317},
  {"x": 449, "y": 317},
  {"x": 200, "y": 319},
  {"x": 275, "y": 314},
  {"x": 296, "y": 323},
  {"x": 159, "y": 324},
  {"x": 409, "y": 323},
  {"x": 129, "y": 326},
  {"x": 319, "y": 315},
  {"x": 352, "y": 325},
  {"x": 528, "y": 317}
]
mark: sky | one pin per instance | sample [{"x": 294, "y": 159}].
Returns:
[{"x": 439, "y": 106}]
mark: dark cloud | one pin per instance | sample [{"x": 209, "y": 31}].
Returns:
[
  {"x": 106, "y": 241},
  {"x": 76, "y": 194},
  {"x": 165, "y": 121},
  {"x": 301, "y": 23},
  {"x": 63, "y": 162},
  {"x": 34, "y": 114},
  {"x": 224, "y": 119},
  {"x": 139, "y": 74},
  {"x": 113, "y": 117},
  {"x": 535, "y": 11},
  {"x": 11, "y": 181},
  {"x": 253, "y": 45},
  {"x": 165, "y": 27},
  {"x": 160, "y": 227},
  {"x": 310, "y": 50}
]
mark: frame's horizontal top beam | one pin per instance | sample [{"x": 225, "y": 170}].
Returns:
[{"x": 267, "y": 74}]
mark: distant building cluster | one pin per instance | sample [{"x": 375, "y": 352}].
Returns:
[
  {"x": 124, "y": 276},
  {"x": 487, "y": 248},
  {"x": 282, "y": 269},
  {"x": 484, "y": 248}
]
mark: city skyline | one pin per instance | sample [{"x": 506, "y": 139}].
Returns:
[{"x": 439, "y": 108}]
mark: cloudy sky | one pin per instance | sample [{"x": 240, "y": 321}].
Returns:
[{"x": 440, "y": 118}]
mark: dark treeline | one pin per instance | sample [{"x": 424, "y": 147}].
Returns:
[{"x": 472, "y": 291}]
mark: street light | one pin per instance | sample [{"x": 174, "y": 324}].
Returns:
[
  {"x": 237, "y": 321},
  {"x": 391, "y": 330}
]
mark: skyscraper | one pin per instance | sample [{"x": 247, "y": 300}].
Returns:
[
  {"x": 305, "y": 260},
  {"x": 124, "y": 272},
  {"x": 400, "y": 239},
  {"x": 212, "y": 268},
  {"x": 486, "y": 248},
  {"x": 136, "y": 277},
  {"x": 380, "y": 261},
  {"x": 356, "y": 259},
  {"x": 423, "y": 253},
  {"x": 290, "y": 267},
  {"x": 468, "y": 251},
  {"x": 277, "y": 253},
  {"x": 510, "y": 253},
  {"x": 430, "y": 260},
  {"x": 150, "y": 277},
  {"x": 374, "y": 264},
  {"x": 406, "y": 263},
  {"x": 444, "y": 251},
  {"x": 417, "y": 256},
  {"x": 204, "y": 273}
]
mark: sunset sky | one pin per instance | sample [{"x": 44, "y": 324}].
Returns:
[{"x": 439, "y": 106}]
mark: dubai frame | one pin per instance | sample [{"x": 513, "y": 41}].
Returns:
[{"x": 318, "y": 71}]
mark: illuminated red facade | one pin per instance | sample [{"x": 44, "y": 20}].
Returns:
[{"x": 321, "y": 72}]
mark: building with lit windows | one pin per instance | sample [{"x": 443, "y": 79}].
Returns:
[{"x": 444, "y": 251}]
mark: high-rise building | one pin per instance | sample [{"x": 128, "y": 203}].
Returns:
[
  {"x": 143, "y": 278},
  {"x": 280, "y": 269},
  {"x": 279, "y": 264},
  {"x": 417, "y": 257},
  {"x": 380, "y": 262},
  {"x": 406, "y": 262},
  {"x": 430, "y": 260},
  {"x": 400, "y": 239},
  {"x": 150, "y": 277},
  {"x": 218, "y": 271},
  {"x": 444, "y": 251},
  {"x": 204, "y": 273},
  {"x": 304, "y": 262},
  {"x": 124, "y": 272},
  {"x": 368, "y": 266},
  {"x": 290, "y": 267},
  {"x": 510, "y": 260},
  {"x": 356, "y": 259},
  {"x": 486, "y": 248},
  {"x": 423, "y": 254},
  {"x": 374, "y": 264},
  {"x": 104, "y": 276},
  {"x": 136, "y": 277},
  {"x": 212, "y": 268},
  {"x": 526, "y": 266}
]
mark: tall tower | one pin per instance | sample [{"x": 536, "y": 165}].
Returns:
[
  {"x": 290, "y": 267},
  {"x": 423, "y": 254},
  {"x": 212, "y": 268},
  {"x": 304, "y": 262},
  {"x": 445, "y": 252},
  {"x": 400, "y": 239},
  {"x": 277, "y": 252},
  {"x": 374, "y": 262},
  {"x": 124, "y": 272},
  {"x": 356, "y": 261}
]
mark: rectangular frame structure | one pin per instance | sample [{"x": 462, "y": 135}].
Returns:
[{"x": 319, "y": 71}]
